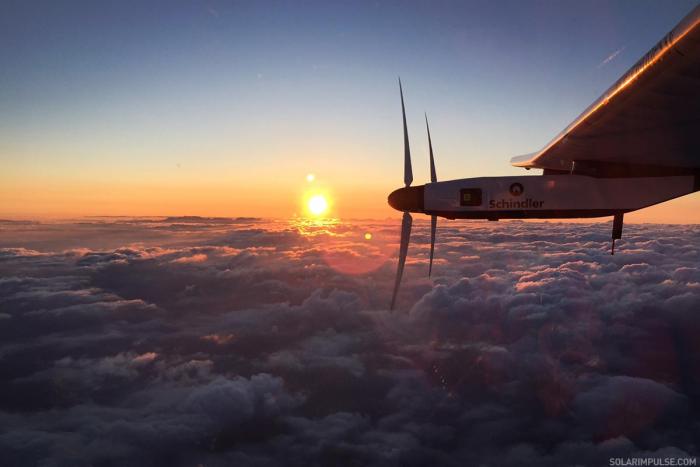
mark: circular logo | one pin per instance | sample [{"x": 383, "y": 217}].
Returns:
[{"x": 516, "y": 189}]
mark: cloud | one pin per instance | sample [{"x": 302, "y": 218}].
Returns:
[
  {"x": 198, "y": 258},
  {"x": 217, "y": 342}
]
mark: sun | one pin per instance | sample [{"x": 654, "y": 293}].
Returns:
[{"x": 317, "y": 205}]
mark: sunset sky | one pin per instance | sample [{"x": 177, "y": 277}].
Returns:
[{"x": 220, "y": 108}]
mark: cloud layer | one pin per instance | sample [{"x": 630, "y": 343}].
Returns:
[{"x": 191, "y": 341}]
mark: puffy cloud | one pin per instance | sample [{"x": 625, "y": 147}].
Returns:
[{"x": 188, "y": 341}]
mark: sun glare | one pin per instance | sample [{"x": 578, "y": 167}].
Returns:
[{"x": 317, "y": 205}]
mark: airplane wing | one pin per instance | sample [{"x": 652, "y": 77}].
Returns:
[{"x": 647, "y": 123}]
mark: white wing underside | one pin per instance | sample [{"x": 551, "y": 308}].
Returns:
[{"x": 648, "y": 120}]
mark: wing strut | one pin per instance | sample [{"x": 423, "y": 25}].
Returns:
[{"x": 617, "y": 230}]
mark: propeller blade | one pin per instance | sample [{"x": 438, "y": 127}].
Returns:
[
  {"x": 433, "y": 228},
  {"x": 406, "y": 223},
  {"x": 433, "y": 176},
  {"x": 407, "y": 170}
]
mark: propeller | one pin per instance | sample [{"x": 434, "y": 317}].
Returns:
[
  {"x": 409, "y": 200},
  {"x": 433, "y": 176},
  {"x": 433, "y": 179},
  {"x": 407, "y": 169},
  {"x": 406, "y": 223},
  {"x": 433, "y": 228},
  {"x": 407, "y": 220}
]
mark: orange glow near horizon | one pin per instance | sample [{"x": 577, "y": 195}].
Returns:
[{"x": 226, "y": 195}]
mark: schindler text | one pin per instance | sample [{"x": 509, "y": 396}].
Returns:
[{"x": 510, "y": 204}]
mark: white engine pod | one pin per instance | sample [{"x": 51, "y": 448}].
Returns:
[{"x": 552, "y": 193}]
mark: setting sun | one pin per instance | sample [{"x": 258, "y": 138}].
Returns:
[{"x": 317, "y": 205}]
